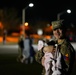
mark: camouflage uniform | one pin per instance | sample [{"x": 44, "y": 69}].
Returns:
[
  {"x": 68, "y": 56},
  {"x": 67, "y": 51}
]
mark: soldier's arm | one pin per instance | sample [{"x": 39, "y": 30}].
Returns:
[
  {"x": 72, "y": 58},
  {"x": 38, "y": 56},
  {"x": 67, "y": 54}
]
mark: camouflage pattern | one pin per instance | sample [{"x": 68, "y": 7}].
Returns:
[
  {"x": 56, "y": 24},
  {"x": 38, "y": 56},
  {"x": 68, "y": 56}
]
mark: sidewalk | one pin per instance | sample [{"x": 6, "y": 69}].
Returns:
[{"x": 9, "y": 39}]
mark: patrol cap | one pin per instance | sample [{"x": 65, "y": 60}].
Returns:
[
  {"x": 57, "y": 24},
  {"x": 52, "y": 42}
]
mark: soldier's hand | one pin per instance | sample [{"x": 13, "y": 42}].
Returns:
[{"x": 42, "y": 61}]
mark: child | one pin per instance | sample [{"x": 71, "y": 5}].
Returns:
[{"x": 52, "y": 58}]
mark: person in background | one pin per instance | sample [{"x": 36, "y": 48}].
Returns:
[
  {"x": 4, "y": 36},
  {"x": 20, "y": 48},
  {"x": 26, "y": 50},
  {"x": 64, "y": 46},
  {"x": 32, "y": 52}
]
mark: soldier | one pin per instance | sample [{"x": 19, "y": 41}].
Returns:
[
  {"x": 52, "y": 62},
  {"x": 64, "y": 46}
]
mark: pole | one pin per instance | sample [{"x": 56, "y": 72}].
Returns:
[
  {"x": 58, "y": 17},
  {"x": 23, "y": 16},
  {"x": 59, "y": 14},
  {"x": 23, "y": 20}
]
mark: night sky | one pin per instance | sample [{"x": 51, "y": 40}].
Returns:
[{"x": 43, "y": 9}]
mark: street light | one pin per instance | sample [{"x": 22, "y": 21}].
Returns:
[
  {"x": 59, "y": 14},
  {"x": 40, "y": 31},
  {"x": 23, "y": 15},
  {"x": 69, "y": 11}
]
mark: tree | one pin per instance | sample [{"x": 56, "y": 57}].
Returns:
[{"x": 10, "y": 19}]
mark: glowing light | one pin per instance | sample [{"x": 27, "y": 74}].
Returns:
[
  {"x": 26, "y": 24},
  {"x": 31, "y": 5},
  {"x": 40, "y": 32},
  {"x": 68, "y": 11}
]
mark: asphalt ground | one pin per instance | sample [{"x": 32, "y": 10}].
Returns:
[{"x": 10, "y": 66}]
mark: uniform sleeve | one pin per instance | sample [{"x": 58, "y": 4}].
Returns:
[
  {"x": 72, "y": 57},
  {"x": 38, "y": 56},
  {"x": 68, "y": 54}
]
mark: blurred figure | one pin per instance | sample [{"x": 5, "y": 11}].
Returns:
[
  {"x": 4, "y": 36},
  {"x": 26, "y": 50},
  {"x": 32, "y": 52},
  {"x": 20, "y": 47}
]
